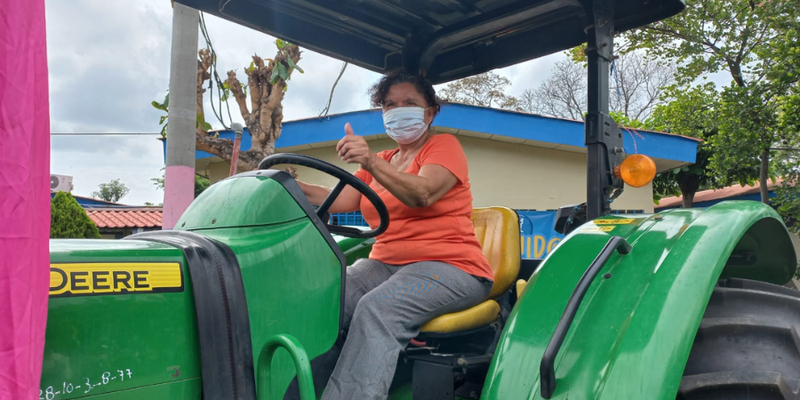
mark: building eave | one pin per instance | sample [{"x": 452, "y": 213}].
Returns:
[{"x": 669, "y": 150}]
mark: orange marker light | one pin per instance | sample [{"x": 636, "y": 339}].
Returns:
[{"x": 637, "y": 170}]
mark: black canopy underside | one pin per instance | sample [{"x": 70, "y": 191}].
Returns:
[{"x": 448, "y": 39}]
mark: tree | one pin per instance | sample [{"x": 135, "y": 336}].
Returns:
[
  {"x": 786, "y": 54},
  {"x": 635, "y": 87},
  {"x": 200, "y": 184},
  {"x": 747, "y": 39},
  {"x": 68, "y": 220},
  {"x": 787, "y": 195},
  {"x": 638, "y": 83},
  {"x": 111, "y": 191},
  {"x": 485, "y": 90},
  {"x": 266, "y": 86},
  {"x": 562, "y": 95},
  {"x": 691, "y": 113}
]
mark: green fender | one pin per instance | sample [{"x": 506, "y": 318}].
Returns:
[{"x": 633, "y": 332}]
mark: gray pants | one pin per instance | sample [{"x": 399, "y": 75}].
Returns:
[{"x": 385, "y": 305}]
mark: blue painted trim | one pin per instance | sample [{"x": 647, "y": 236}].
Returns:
[
  {"x": 561, "y": 131},
  {"x": 314, "y": 130},
  {"x": 89, "y": 202},
  {"x": 479, "y": 119}
]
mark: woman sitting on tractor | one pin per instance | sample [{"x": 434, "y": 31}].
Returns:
[{"x": 427, "y": 263}]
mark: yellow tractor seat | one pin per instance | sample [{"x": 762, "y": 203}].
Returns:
[
  {"x": 497, "y": 229},
  {"x": 521, "y": 284}
]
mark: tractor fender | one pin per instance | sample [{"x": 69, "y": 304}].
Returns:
[{"x": 634, "y": 329}]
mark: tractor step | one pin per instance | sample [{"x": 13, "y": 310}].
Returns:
[{"x": 445, "y": 376}]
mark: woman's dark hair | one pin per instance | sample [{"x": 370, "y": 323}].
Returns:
[{"x": 379, "y": 91}]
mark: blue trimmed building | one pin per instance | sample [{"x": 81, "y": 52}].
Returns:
[{"x": 519, "y": 160}]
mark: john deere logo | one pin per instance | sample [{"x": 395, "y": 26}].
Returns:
[{"x": 114, "y": 278}]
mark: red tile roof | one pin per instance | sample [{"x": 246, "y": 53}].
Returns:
[
  {"x": 126, "y": 217},
  {"x": 717, "y": 194}
]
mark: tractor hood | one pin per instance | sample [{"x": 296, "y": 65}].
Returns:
[
  {"x": 253, "y": 198},
  {"x": 448, "y": 39}
]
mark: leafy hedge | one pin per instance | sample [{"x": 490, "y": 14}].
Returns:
[{"x": 69, "y": 220}]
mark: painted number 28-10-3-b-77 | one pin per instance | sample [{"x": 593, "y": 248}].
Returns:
[{"x": 84, "y": 387}]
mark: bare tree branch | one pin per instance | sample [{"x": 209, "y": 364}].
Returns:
[
  {"x": 634, "y": 89},
  {"x": 203, "y": 65},
  {"x": 264, "y": 117},
  {"x": 486, "y": 90},
  {"x": 238, "y": 94}
]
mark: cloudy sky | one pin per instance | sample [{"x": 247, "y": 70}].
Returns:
[{"x": 109, "y": 59}]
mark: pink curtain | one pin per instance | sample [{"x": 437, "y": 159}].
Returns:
[{"x": 24, "y": 197}]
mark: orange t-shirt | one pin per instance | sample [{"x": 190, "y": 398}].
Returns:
[{"x": 442, "y": 231}]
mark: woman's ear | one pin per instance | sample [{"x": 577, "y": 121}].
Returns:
[{"x": 428, "y": 118}]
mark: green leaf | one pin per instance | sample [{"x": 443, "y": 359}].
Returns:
[
  {"x": 656, "y": 198},
  {"x": 158, "y": 105},
  {"x": 293, "y": 65},
  {"x": 280, "y": 43},
  {"x": 251, "y": 67},
  {"x": 163, "y": 118},
  {"x": 273, "y": 78},
  {"x": 676, "y": 171},
  {"x": 278, "y": 72},
  {"x": 201, "y": 122},
  {"x": 282, "y": 71}
]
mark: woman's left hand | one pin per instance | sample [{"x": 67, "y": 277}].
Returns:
[{"x": 354, "y": 149}]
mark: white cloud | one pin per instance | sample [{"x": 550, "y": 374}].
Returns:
[{"x": 108, "y": 60}]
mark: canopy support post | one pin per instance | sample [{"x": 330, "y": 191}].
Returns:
[{"x": 603, "y": 136}]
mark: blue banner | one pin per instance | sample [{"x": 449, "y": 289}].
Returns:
[
  {"x": 537, "y": 234},
  {"x": 536, "y": 230}
]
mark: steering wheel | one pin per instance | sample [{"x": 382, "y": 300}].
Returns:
[{"x": 345, "y": 178}]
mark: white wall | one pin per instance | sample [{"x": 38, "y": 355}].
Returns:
[
  {"x": 527, "y": 177},
  {"x": 507, "y": 174}
]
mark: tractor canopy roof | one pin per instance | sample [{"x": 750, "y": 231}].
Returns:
[{"x": 448, "y": 39}]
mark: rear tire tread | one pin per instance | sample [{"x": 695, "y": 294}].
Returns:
[
  {"x": 722, "y": 385},
  {"x": 747, "y": 346}
]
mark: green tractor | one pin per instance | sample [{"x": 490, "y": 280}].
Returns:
[{"x": 235, "y": 301}]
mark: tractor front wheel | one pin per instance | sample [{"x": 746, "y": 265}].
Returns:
[{"x": 747, "y": 346}]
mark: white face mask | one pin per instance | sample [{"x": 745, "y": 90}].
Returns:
[{"x": 405, "y": 124}]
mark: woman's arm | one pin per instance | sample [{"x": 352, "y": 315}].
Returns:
[
  {"x": 422, "y": 190},
  {"x": 348, "y": 200}
]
